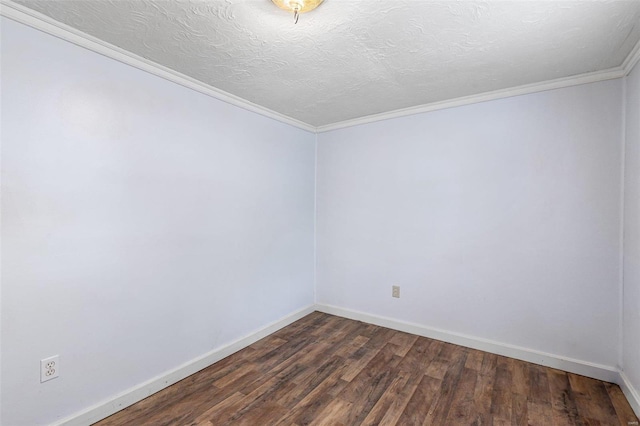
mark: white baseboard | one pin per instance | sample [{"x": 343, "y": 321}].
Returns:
[
  {"x": 137, "y": 393},
  {"x": 632, "y": 394},
  {"x": 584, "y": 368}
]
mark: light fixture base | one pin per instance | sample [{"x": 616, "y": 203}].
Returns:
[{"x": 297, "y": 6}]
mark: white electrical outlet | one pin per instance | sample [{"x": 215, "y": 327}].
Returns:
[
  {"x": 49, "y": 368},
  {"x": 395, "y": 291}
]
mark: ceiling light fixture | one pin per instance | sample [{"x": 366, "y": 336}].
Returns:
[{"x": 297, "y": 6}]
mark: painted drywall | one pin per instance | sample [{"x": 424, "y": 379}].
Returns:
[
  {"x": 498, "y": 220},
  {"x": 631, "y": 291},
  {"x": 143, "y": 224}
]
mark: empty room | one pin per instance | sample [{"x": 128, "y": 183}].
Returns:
[{"x": 319, "y": 212}]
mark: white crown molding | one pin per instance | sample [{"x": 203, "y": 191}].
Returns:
[
  {"x": 50, "y": 26},
  {"x": 137, "y": 393},
  {"x": 632, "y": 59},
  {"x": 584, "y": 368},
  {"x": 559, "y": 83},
  {"x": 592, "y": 77}
]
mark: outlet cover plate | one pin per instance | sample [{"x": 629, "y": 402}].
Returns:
[
  {"x": 49, "y": 368},
  {"x": 395, "y": 291}
]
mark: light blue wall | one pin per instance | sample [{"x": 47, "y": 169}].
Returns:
[
  {"x": 143, "y": 224},
  {"x": 499, "y": 220},
  {"x": 631, "y": 301}
]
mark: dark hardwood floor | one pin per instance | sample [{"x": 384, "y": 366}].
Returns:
[{"x": 327, "y": 370}]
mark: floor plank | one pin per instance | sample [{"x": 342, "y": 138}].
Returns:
[{"x": 327, "y": 370}]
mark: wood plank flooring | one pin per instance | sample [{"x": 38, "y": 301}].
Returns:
[{"x": 327, "y": 370}]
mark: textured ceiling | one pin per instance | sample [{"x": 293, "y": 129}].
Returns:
[{"x": 353, "y": 58}]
